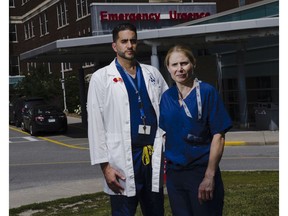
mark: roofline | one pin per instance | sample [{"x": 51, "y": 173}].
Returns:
[
  {"x": 209, "y": 28},
  {"x": 227, "y": 12},
  {"x": 157, "y": 34},
  {"x": 153, "y": 3}
]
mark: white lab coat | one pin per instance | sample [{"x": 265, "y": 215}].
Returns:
[{"x": 109, "y": 123}]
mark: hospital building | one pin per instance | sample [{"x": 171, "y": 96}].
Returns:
[{"x": 235, "y": 42}]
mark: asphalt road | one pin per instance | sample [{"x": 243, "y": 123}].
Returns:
[
  {"x": 250, "y": 158},
  {"x": 54, "y": 159},
  {"x": 48, "y": 158}
]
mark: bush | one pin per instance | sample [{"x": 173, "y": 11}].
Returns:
[{"x": 39, "y": 82}]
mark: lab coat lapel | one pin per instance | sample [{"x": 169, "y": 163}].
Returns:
[{"x": 148, "y": 78}]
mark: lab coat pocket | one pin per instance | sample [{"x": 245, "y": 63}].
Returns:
[{"x": 115, "y": 150}]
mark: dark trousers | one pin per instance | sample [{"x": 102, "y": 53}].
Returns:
[
  {"x": 151, "y": 203},
  {"x": 182, "y": 186}
]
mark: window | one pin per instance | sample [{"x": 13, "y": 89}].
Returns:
[
  {"x": 43, "y": 24},
  {"x": 11, "y": 3},
  {"x": 82, "y": 8},
  {"x": 67, "y": 66},
  {"x": 13, "y": 33},
  {"x": 25, "y": 1},
  {"x": 29, "y": 30},
  {"x": 62, "y": 14},
  {"x": 31, "y": 66},
  {"x": 14, "y": 68},
  {"x": 88, "y": 64},
  {"x": 241, "y": 3},
  {"x": 47, "y": 67}
]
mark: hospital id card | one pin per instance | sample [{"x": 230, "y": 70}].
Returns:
[{"x": 144, "y": 129}]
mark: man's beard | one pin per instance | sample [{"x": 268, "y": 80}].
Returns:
[{"x": 130, "y": 57}]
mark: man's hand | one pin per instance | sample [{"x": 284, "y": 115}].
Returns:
[
  {"x": 206, "y": 189},
  {"x": 112, "y": 177}
]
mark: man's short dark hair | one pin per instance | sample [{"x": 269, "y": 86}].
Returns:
[{"x": 122, "y": 27}]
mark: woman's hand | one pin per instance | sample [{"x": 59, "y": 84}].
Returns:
[{"x": 206, "y": 189}]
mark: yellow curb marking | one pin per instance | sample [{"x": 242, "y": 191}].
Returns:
[
  {"x": 50, "y": 163},
  {"x": 50, "y": 140},
  {"x": 249, "y": 157},
  {"x": 227, "y": 143},
  {"x": 62, "y": 144},
  {"x": 233, "y": 143},
  {"x": 15, "y": 129}
]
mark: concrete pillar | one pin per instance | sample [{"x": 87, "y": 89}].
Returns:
[
  {"x": 242, "y": 95},
  {"x": 154, "y": 57},
  {"x": 219, "y": 73}
]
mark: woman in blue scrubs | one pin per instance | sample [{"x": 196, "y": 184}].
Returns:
[{"x": 195, "y": 121}]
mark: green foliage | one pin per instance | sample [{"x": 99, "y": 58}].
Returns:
[
  {"x": 39, "y": 82},
  {"x": 72, "y": 91},
  {"x": 246, "y": 194}
]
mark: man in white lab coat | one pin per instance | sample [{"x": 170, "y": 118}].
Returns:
[{"x": 124, "y": 137}]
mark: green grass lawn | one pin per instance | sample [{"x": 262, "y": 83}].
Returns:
[{"x": 246, "y": 193}]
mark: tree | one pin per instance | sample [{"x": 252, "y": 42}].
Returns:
[{"x": 39, "y": 82}]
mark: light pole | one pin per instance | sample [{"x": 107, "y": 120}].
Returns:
[{"x": 63, "y": 87}]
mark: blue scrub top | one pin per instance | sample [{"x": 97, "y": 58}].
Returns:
[
  {"x": 139, "y": 140},
  {"x": 188, "y": 140}
]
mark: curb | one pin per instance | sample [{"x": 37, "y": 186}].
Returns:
[
  {"x": 252, "y": 138},
  {"x": 243, "y": 143}
]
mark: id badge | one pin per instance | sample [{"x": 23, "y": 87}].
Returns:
[{"x": 144, "y": 129}]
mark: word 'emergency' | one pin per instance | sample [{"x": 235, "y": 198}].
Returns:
[{"x": 173, "y": 15}]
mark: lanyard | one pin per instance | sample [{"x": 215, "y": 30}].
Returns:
[
  {"x": 138, "y": 76},
  {"x": 198, "y": 98}
]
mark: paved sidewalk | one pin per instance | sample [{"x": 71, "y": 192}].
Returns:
[
  {"x": 74, "y": 188},
  {"x": 234, "y": 137},
  {"x": 55, "y": 191},
  {"x": 252, "y": 138}
]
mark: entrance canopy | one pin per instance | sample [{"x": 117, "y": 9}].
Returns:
[{"x": 98, "y": 48}]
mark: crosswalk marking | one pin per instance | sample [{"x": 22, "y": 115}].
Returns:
[
  {"x": 23, "y": 139},
  {"x": 30, "y": 138}
]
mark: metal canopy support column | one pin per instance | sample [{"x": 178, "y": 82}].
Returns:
[
  {"x": 154, "y": 57},
  {"x": 219, "y": 72},
  {"x": 83, "y": 97},
  {"x": 242, "y": 87}
]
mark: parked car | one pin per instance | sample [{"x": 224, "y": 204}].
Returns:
[
  {"x": 44, "y": 118},
  {"x": 18, "y": 105},
  {"x": 12, "y": 103}
]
